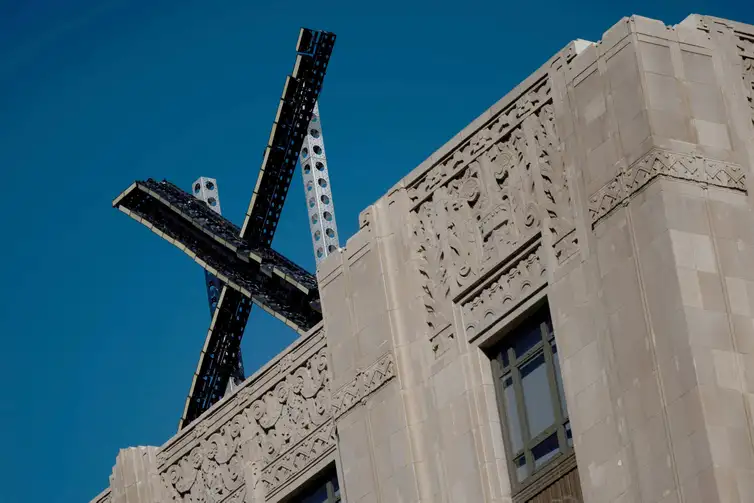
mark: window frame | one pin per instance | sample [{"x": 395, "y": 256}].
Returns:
[
  {"x": 540, "y": 318},
  {"x": 324, "y": 479}
]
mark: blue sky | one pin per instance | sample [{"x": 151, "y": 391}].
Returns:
[{"x": 101, "y": 321}]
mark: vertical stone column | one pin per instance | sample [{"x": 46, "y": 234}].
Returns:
[
  {"x": 371, "y": 411},
  {"x": 135, "y": 478},
  {"x": 652, "y": 325}
]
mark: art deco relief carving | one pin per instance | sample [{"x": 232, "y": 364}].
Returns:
[
  {"x": 556, "y": 198},
  {"x": 746, "y": 48},
  {"x": 274, "y": 476},
  {"x": 486, "y": 200},
  {"x": 286, "y": 426},
  {"x": 663, "y": 163},
  {"x": 288, "y": 418},
  {"x": 505, "y": 290},
  {"x": 496, "y": 129},
  {"x": 210, "y": 472},
  {"x": 365, "y": 383}
]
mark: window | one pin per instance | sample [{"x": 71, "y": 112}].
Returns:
[
  {"x": 531, "y": 399},
  {"x": 323, "y": 489}
]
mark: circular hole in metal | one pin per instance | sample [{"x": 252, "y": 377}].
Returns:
[
  {"x": 328, "y": 216},
  {"x": 320, "y": 252},
  {"x": 305, "y": 153},
  {"x": 322, "y": 182},
  {"x": 331, "y": 248},
  {"x": 330, "y": 233},
  {"x": 325, "y": 199},
  {"x": 197, "y": 188},
  {"x": 317, "y": 236},
  {"x": 315, "y": 219},
  {"x": 210, "y": 186},
  {"x": 319, "y": 166},
  {"x": 309, "y": 186},
  {"x": 312, "y": 202},
  {"x": 212, "y": 201},
  {"x": 314, "y": 132},
  {"x": 317, "y": 149},
  {"x": 307, "y": 169},
  {"x": 314, "y": 120}
]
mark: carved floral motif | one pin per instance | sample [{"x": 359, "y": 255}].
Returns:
[
  {"x": 282, "y": 420},
  {"x": 503, "y": 292},
  {"x": 663, "y": 163},
  {"x": 295, "y": 407},
  {"x": 210, "y": 472},
  {"x": 492, "y": 132},
  {"x": 279, "y": 472},
  {"x": 271, "y": 437},
  {"x": 748, "y": 75},
  {"x": 556, "y": 198},
  {"x": 486, "y": 200}
]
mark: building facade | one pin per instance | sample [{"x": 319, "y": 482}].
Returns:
[{"x": 557, "y": 306}]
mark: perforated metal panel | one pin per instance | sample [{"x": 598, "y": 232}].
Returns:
[{"x": 319, "y": 203}]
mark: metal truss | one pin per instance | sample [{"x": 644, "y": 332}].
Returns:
[
  {"x": 206, "y": 190},
  {"x": 300, "y": 94},
  {"x": 319, "y": 203},
  {"x": 242, "y": 258}
]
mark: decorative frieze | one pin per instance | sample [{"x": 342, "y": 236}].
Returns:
[
  {"x": 659, "y": 162},
  {"x": 277, "y": 474},
  {"x": 746, "y": 51},
  {"x": 210, "y": 472},
  {"x": 276, "y": 428},
  {"x": 504, "y": 291},
  {"x": 498, "y": 127},
  {"x": 546, "y": 147},
  {"x": 472, "y": 222},
  {"x": 275, "y": 434},
  {"x": 365, "y": 383},
  {"x": 487, "y": 199}
]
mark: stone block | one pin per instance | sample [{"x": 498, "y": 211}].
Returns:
[
  {"x": 706, "y": 103},
  {"x": 713, "y": 134},
  {"x": 671, "y": 125},
  {"x": 664, "y": 94},
  {"x": 656, "y": 58}
]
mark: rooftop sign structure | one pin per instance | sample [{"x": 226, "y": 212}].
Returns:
[{"x": 241, "y": 259}]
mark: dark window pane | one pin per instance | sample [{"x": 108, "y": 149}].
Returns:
[
  {"x": 521, "y": 470},
  {"x": 559, "y": 379},
  {"x": 527, "y": 339},
  {"x": 320, "y": 496},
  {"x": 545, "y": 450},
  {"x": 537, "y": 397},
  {"x": 511, "y": 411}
]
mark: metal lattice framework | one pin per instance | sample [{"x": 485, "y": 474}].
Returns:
[
  {"x": 242, "y": 258},
  {"x": 206, "y": 190},
  {"x": 319, "y": 203}
]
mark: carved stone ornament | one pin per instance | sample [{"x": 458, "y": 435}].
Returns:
[
  {"x": 555, "y": 197},
  {"x": 504, "y": 291},
  {"x": 659, "y": 162},
  {"x": 364, "y": 384},
  {"x": 289, "y": 417},
  {"x": 746, "y": 46},
  {"x": 492, "y": 132},
  {"x": 486, "y": 200}
]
